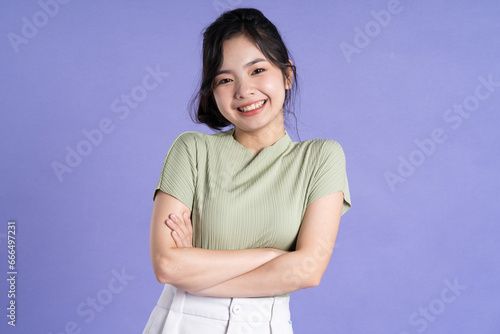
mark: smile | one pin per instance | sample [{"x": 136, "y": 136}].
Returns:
[{"x": 253, "y": 106}]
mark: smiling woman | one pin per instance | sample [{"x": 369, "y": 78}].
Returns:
[
  {"x": 249, "y": 92},
  {"x": 238, "y": 213},
  {"x": 264, "y": 36}
]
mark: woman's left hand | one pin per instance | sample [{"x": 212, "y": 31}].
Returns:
[{"x": 182, "y": 230}]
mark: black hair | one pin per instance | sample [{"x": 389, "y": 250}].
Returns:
[{"x": 251, "y": 23}]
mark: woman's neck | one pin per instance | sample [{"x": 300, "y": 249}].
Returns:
[{"x": 256, "y": 141}]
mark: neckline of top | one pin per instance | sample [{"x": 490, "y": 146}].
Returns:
[{"x": 281, "y": 143}]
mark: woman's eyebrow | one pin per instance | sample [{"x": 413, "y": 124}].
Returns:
[{"x": 253, "y": 62}]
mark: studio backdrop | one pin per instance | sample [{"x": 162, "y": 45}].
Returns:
[{"x": 93, "y": 94}]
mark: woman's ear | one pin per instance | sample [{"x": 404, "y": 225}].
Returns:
[{"x": 289, "y": 76}]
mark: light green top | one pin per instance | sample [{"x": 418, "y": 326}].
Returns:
[{"x": 240, "y": 200}]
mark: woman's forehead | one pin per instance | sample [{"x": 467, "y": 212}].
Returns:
[{"x": 241, "y": 50}]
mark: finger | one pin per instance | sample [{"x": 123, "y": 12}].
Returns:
[
  {"x": 182, "y": 240},
  {"x": 185, "y": 221},
  {"x": 177, "y": 234},
  {"x": 171, "y": 224},
  {"x": 181, "y": 234},
  {"x": 178, "y": 241},
  {"x": 183, "y": 229},
  {"x": 189, "y": 225},
  {"x": 181, "y": 226},
  {"x": 189, "y": 230}
]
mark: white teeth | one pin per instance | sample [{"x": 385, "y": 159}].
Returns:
[{"x": 252, "y": 106}]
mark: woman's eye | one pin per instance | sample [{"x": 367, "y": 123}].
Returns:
[
  {"x": 259, "y": 70},
  {"x": 224, "y": 81}
]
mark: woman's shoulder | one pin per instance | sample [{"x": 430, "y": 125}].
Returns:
[
  {"x": 190, "y": 138},
  {"x": 196, "y": 135},
  {"x": 192, "y": 133},
  {"x": 321, "y": 146}
]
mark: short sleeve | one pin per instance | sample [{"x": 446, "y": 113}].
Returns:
[
  {"x": 178, "y": 175},
  {"x": 329, "y": 174}
]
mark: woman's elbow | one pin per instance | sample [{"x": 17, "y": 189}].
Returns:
[
  {"x": 311, "y": 281},
  {"x": 314, "y": 281},
  {"x": 162, "y": 277},
  {"x": 299, "y": 280},
  {"x": 165, "y": 271},
  {"x": 309, "y": 272},
  {"x": 312, "y": 278}
]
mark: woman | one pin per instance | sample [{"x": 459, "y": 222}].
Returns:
[{"x": 261, "y": 210}]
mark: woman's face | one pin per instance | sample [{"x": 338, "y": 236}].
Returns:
[{"x": 248, "y": 89}]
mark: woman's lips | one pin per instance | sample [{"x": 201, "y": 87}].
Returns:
[
  {"x": 252, "y": 106},
  {"x": 255, "y": 111}
]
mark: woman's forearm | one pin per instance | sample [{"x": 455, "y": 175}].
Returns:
[
  {"x": 191, "y": 269},
  {"x": 299, "y": 269},
  {"x": 287, "y": 273}
]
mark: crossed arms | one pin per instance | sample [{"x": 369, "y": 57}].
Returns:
[{"x": 241, "y": 273}]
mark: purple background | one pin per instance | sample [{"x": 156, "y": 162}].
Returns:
[{"x": 400, "y": 247}]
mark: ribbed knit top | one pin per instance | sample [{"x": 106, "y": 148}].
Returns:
[{"x": 242, "y": 200}]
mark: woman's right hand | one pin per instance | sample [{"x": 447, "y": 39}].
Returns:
[{"x": 182, "y": 230}]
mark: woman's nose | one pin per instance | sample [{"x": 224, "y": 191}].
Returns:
[{"x": 244, "y": 88}]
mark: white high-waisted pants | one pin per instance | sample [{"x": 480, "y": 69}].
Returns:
[{"x": 179, "y": 312}]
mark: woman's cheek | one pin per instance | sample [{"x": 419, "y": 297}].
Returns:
[{"x": 273, "y": 84}]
